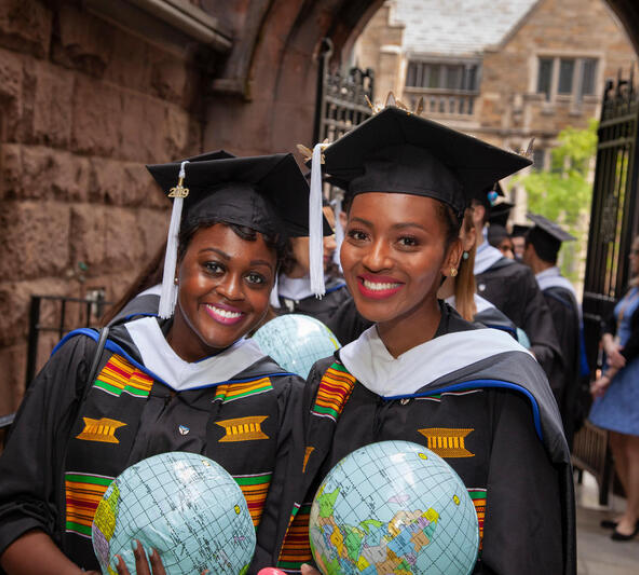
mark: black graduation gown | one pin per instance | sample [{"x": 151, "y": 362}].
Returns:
[
  {"x": 321, "y": 309},
  {"x": 515, "y": 461},
  {"x": 512, "y": 288},
  {"x": 143, "y": 304},
  {"x": 565, "y": 314},
  {"x": 51, "y": 439}
]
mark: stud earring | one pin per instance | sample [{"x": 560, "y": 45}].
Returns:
[
  {"x": 465, "y": 255},
  {"x": 175, "y": 281},
  {"x": 453, "y": 272}
]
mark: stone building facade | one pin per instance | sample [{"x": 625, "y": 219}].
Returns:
[
  {"x": 539, "y": 69},
  {"x": 90, "y": 90}
]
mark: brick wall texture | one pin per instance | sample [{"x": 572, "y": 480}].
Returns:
[{"x": 83, "y": 106}]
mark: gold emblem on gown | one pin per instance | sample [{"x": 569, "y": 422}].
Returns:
[
  {"x": 447, "y": 442},
  {"x": 243, "y": 428},
  {"x": 102, "y": 430}
]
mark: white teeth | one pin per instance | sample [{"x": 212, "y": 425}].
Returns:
[
  {"x": 376, "y": 286},
  {"x": 224, "y": 313}
]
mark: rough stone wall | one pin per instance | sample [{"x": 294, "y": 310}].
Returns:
[{"x": 83, "y": 106}]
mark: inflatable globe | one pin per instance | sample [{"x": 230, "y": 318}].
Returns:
[
  {"x": 393, "y": 507},
  {"x": 185, "y": 506},
  {"x": 296, "y": 342}
]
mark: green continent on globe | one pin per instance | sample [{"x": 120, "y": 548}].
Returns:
[
  {"x": 107, "y": 513},
  {"x": 326, "y": 502}
]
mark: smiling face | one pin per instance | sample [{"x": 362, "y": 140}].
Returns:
[
  {"x": 224, "y": 283},
  {"x": 393, "y": 256}
]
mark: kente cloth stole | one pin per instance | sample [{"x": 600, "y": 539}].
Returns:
[
  {"x": 103, "y": 437},
  {"x": 333, "y": 393}
]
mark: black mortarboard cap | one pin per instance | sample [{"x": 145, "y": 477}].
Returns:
[
  {"x": 519, "y": 231},
  {"x": 546, "y": 237},
  {"x": 499, "y": 214},
  {"x": 496, "y": 234},
  {"x": 268, "y": 194},
  {"x": 398, "y": 151}
]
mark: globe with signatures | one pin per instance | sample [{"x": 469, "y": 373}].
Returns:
[
  {"x": 185, "y": 506},
  {"x": 296, "y": 342},
  {"x": 393, "y": 507}
]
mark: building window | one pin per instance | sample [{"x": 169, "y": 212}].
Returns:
[
  {"x": 544, "y": 77},
  {"x": 448, "y": 87},
  {"x": 574, "y": 77},
  {"x": 454, "y": 77},
  {"x": 539, "y": 158}
]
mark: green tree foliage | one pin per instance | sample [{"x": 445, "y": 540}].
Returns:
[{"x": 563, "y": 193}]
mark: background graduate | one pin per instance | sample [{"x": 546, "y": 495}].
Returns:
[
  {"x": 422, "y": 373},
  {"x": 511, "y": 287},
  {"x": 459, "y": 290},
  {"x": 543, "y": 243},
  {"x": 185, "y": 383}
]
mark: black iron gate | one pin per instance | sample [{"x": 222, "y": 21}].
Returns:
[
  {"x": 613, "y": 223},
  {"x": 613, "y": 220},
  {"x": 341, "y": 98},
  {"x": 55, "y": 316}
]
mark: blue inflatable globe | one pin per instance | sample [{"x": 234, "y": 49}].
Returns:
[
  {"x": 185, "y": 506},
  {"x": 296, "y": 342},
  {"x": 393, "y": 507}
]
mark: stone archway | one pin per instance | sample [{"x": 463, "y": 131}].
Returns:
[{"x": 264, "y": 99}]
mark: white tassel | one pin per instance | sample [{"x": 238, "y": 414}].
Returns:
[
  {"x": 168, "y": 297},
  {"x": 315, "y": 225},
  {"x": 339, "y": 230},
  {"x": 275, "y": 296}
]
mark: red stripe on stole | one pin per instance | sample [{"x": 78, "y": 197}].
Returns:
[
  {"x": 81, "y": 504},
  {"x": 122, "y": 372}
]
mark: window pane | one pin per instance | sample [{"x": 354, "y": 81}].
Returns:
[
  {"x": 538, "y": 159},
  {"x": 544, "y": 77},
  {"x": 453, "y": 77},
  {"x": 433, "y": 80},
  {"x": 411, "y": 74},
  {"x": 470, "y": 79},
  {"x": 588, "y": 79},
  {"x": 419, "y": 79},
  {"x": 566, "y": 72}
]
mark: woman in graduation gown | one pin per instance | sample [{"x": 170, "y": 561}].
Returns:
[
  {"x": 421, "y": 373},
  {"x": 190, "y": 382}
]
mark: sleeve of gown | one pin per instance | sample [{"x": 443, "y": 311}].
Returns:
[
  {"x": 32, "y": 458},
  {"x": 523, "y": 525},
  {"x": 285, "y": 483},
  {"x": 631, "y": 349},
  {"x": 538, "y": 325}
]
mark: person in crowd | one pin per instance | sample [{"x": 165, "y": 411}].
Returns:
[
  {"x": 518, "y": 239},
  {"x": 187, "y": 381},
  {"x": 511, "y": 287},
  {"x": 543, "y": 243},
  {"x": 616, "y": 405},
  {"x": 498, "y": 238},
  {"x": 459, "y": 290},
  {"x": 292, "y": 292},
  {"x": 421, "y": 372}
]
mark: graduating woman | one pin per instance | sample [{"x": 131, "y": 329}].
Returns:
[
  {"x": 190, "y": 382},
  {"x": 423, "y": 374}
]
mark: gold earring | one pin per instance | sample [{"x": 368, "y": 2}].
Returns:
[{"x": 453, "y": 272}]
